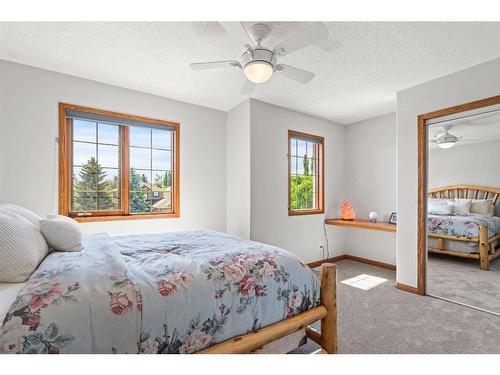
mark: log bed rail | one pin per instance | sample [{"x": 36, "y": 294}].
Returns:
[
  {"x": 488, "y": 250},
  {"x": 253, "y": 342}
]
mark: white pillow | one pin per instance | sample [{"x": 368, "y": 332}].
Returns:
[
  {"x": 33, "y": 218},
  {"x": 62, "y": 233},
  {"x": 461, "y": 206},
  {"x": 22, "y": 248},
  {"x": 483, "y": 207},
  {"x": 438, "y": 207}
]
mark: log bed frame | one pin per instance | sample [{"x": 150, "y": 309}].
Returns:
[
  {"x": 254, "y": 342},
  {"x": 488, "y": 247}
]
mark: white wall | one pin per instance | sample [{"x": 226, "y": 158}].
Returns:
[
  {"x": 471, "y": 84},
  {"x": 238, "y": 170},
  {"x": 28, "y": 127},
  {"x": 371, "y": 184},
  {"x": 473, "y": 164},
  {"x": 270, "y": 222}
]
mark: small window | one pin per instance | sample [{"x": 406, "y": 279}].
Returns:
[
  {"x": 305, "y": 174},
  {"x": 116, "y": 166}
]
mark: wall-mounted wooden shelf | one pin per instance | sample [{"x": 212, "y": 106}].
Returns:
[{"x": 363, "y": 224}]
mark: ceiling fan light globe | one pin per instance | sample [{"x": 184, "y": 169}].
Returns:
[
  {"x": 446, "y": 145},
  {"x": 258, "y": 71}
]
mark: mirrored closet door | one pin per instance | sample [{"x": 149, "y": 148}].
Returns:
[{"x": 463, "y": 207}]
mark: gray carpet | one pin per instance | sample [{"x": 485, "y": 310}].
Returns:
[
  {"x": 461, "y": 280},
  {"x": 388, "y": 320}
]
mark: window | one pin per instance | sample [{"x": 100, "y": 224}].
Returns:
[
  {"x": 305, "y": 174},
  {"x": 116, "y": 166}
]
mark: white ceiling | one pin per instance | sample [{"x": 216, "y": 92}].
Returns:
[
  {"x": 476, "y": 129},
  {"x": 358, "y": 69}
]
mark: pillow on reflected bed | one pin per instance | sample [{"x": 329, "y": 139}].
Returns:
[
  {"x": 439, "y": 207},
  {"x": 61, "y": 233},
  {"x": 22, "y": 248},
  {"x": 480, "y": 206}
]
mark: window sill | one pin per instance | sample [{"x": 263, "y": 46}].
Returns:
[
  {"x": 305, "y": 212},
  {"x": 90, "y": 219}
]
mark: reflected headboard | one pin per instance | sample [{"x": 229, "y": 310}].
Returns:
[{"x": 465, "y": 191}]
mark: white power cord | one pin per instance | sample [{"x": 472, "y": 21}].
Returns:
[{"x": 327, "y": 246}]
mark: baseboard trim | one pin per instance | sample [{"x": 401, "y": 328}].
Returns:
[
  {"x": 408, "y": 288},
  {"x": 375, "y": 263},
  {"x": 355, "y": 259},
  {"x": 329, "y": 260}
]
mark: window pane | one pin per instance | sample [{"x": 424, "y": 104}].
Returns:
[
  {"x": 300, "y": 165},
  {"x": 108, "y": 156},
  {"x": 162, "y": 179},
  {"x": 312, "y": 167},
  {"x": 310, "y": 149},
  {"x": 139, "y": 202},
  {"x": 140, "y": 191},
  {"x": 301, "y": 192},
  {"x": 162, "y": 139},
  {"x": 108, "y": 134},
  {"x": 163, "y": 203},
  {"x": 84, "y": 130},
  {"x": 111, "y": 177},
  {"x": 301, "y": 148},
  {"x": 83, "y": 153},
  {"x": 162, "y": 160},
  {"x": 140, "y": 136},
  {"x": 293, "y": 165},
  {"x": 293, "y": 146},
  {"x": 140, "y": 158},
  {"x": 84, "y": 197},
  {"x": 108, "y": 200},
  {"x": 293, "y": 192}
]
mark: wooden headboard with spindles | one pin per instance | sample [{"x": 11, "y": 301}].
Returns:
[{"x": 465, "y": 191}]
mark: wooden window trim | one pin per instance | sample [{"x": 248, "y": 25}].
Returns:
[
  {"x": 320, "y": 176},
  {"x": 65, "y": 167}
]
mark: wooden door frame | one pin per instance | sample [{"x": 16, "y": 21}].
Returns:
[{"x": 422, "y": 179}]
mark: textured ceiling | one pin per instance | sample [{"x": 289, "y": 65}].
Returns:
[
  {"x": 475, "y": 129},
  {"x": 358, "y": 69}
]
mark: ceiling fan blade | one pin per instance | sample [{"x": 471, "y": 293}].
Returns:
[
  {"x": 299, "y": 75},
  {"x": 237, "y": 32},
  {"x": 298, "y": 40},
  {"x": 214, "y": 64},
  {"x": 248, "y": 87}
]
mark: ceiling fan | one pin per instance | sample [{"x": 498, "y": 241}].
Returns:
[
  {"x": 447, "y": 140},
  {"x": 259, "y": 63}
]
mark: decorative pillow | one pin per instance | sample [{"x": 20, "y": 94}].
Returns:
[
  {"x": 22, "y": 248},
  {"x": 33, "y": 218},
  {"x": 461, "y": 206},
  {"x": 482, "y": 207},
  {"x": 62, "y": 233},
  {"x": 439, "y": 207}
]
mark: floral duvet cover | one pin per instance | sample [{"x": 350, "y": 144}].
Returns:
[
  {"x": 462, "y": 226},
  {"x": 162, "y": 293}
]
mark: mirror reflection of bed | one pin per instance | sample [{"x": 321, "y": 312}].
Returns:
[{"x": 463, "y": 208}]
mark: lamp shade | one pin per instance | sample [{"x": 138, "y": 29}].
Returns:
[
  {"x": 258, "y": 71},
  {"x": 446, "y": 145}
]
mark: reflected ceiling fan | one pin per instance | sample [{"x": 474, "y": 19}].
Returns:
[
  {"x": 447, "y": 140},
  {"x": 259, "y": 63}
]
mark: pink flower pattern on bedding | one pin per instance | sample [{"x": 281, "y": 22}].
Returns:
[{"x": 164, "y": 293}]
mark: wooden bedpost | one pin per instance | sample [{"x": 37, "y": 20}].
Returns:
[
  {"x": 484, "y": 261},
  {"x": 328, "y": 299}
]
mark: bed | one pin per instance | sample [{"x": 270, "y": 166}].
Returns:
[
  {"x": 179, "y": 292},
  {"x": 470, "y": 236}
]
